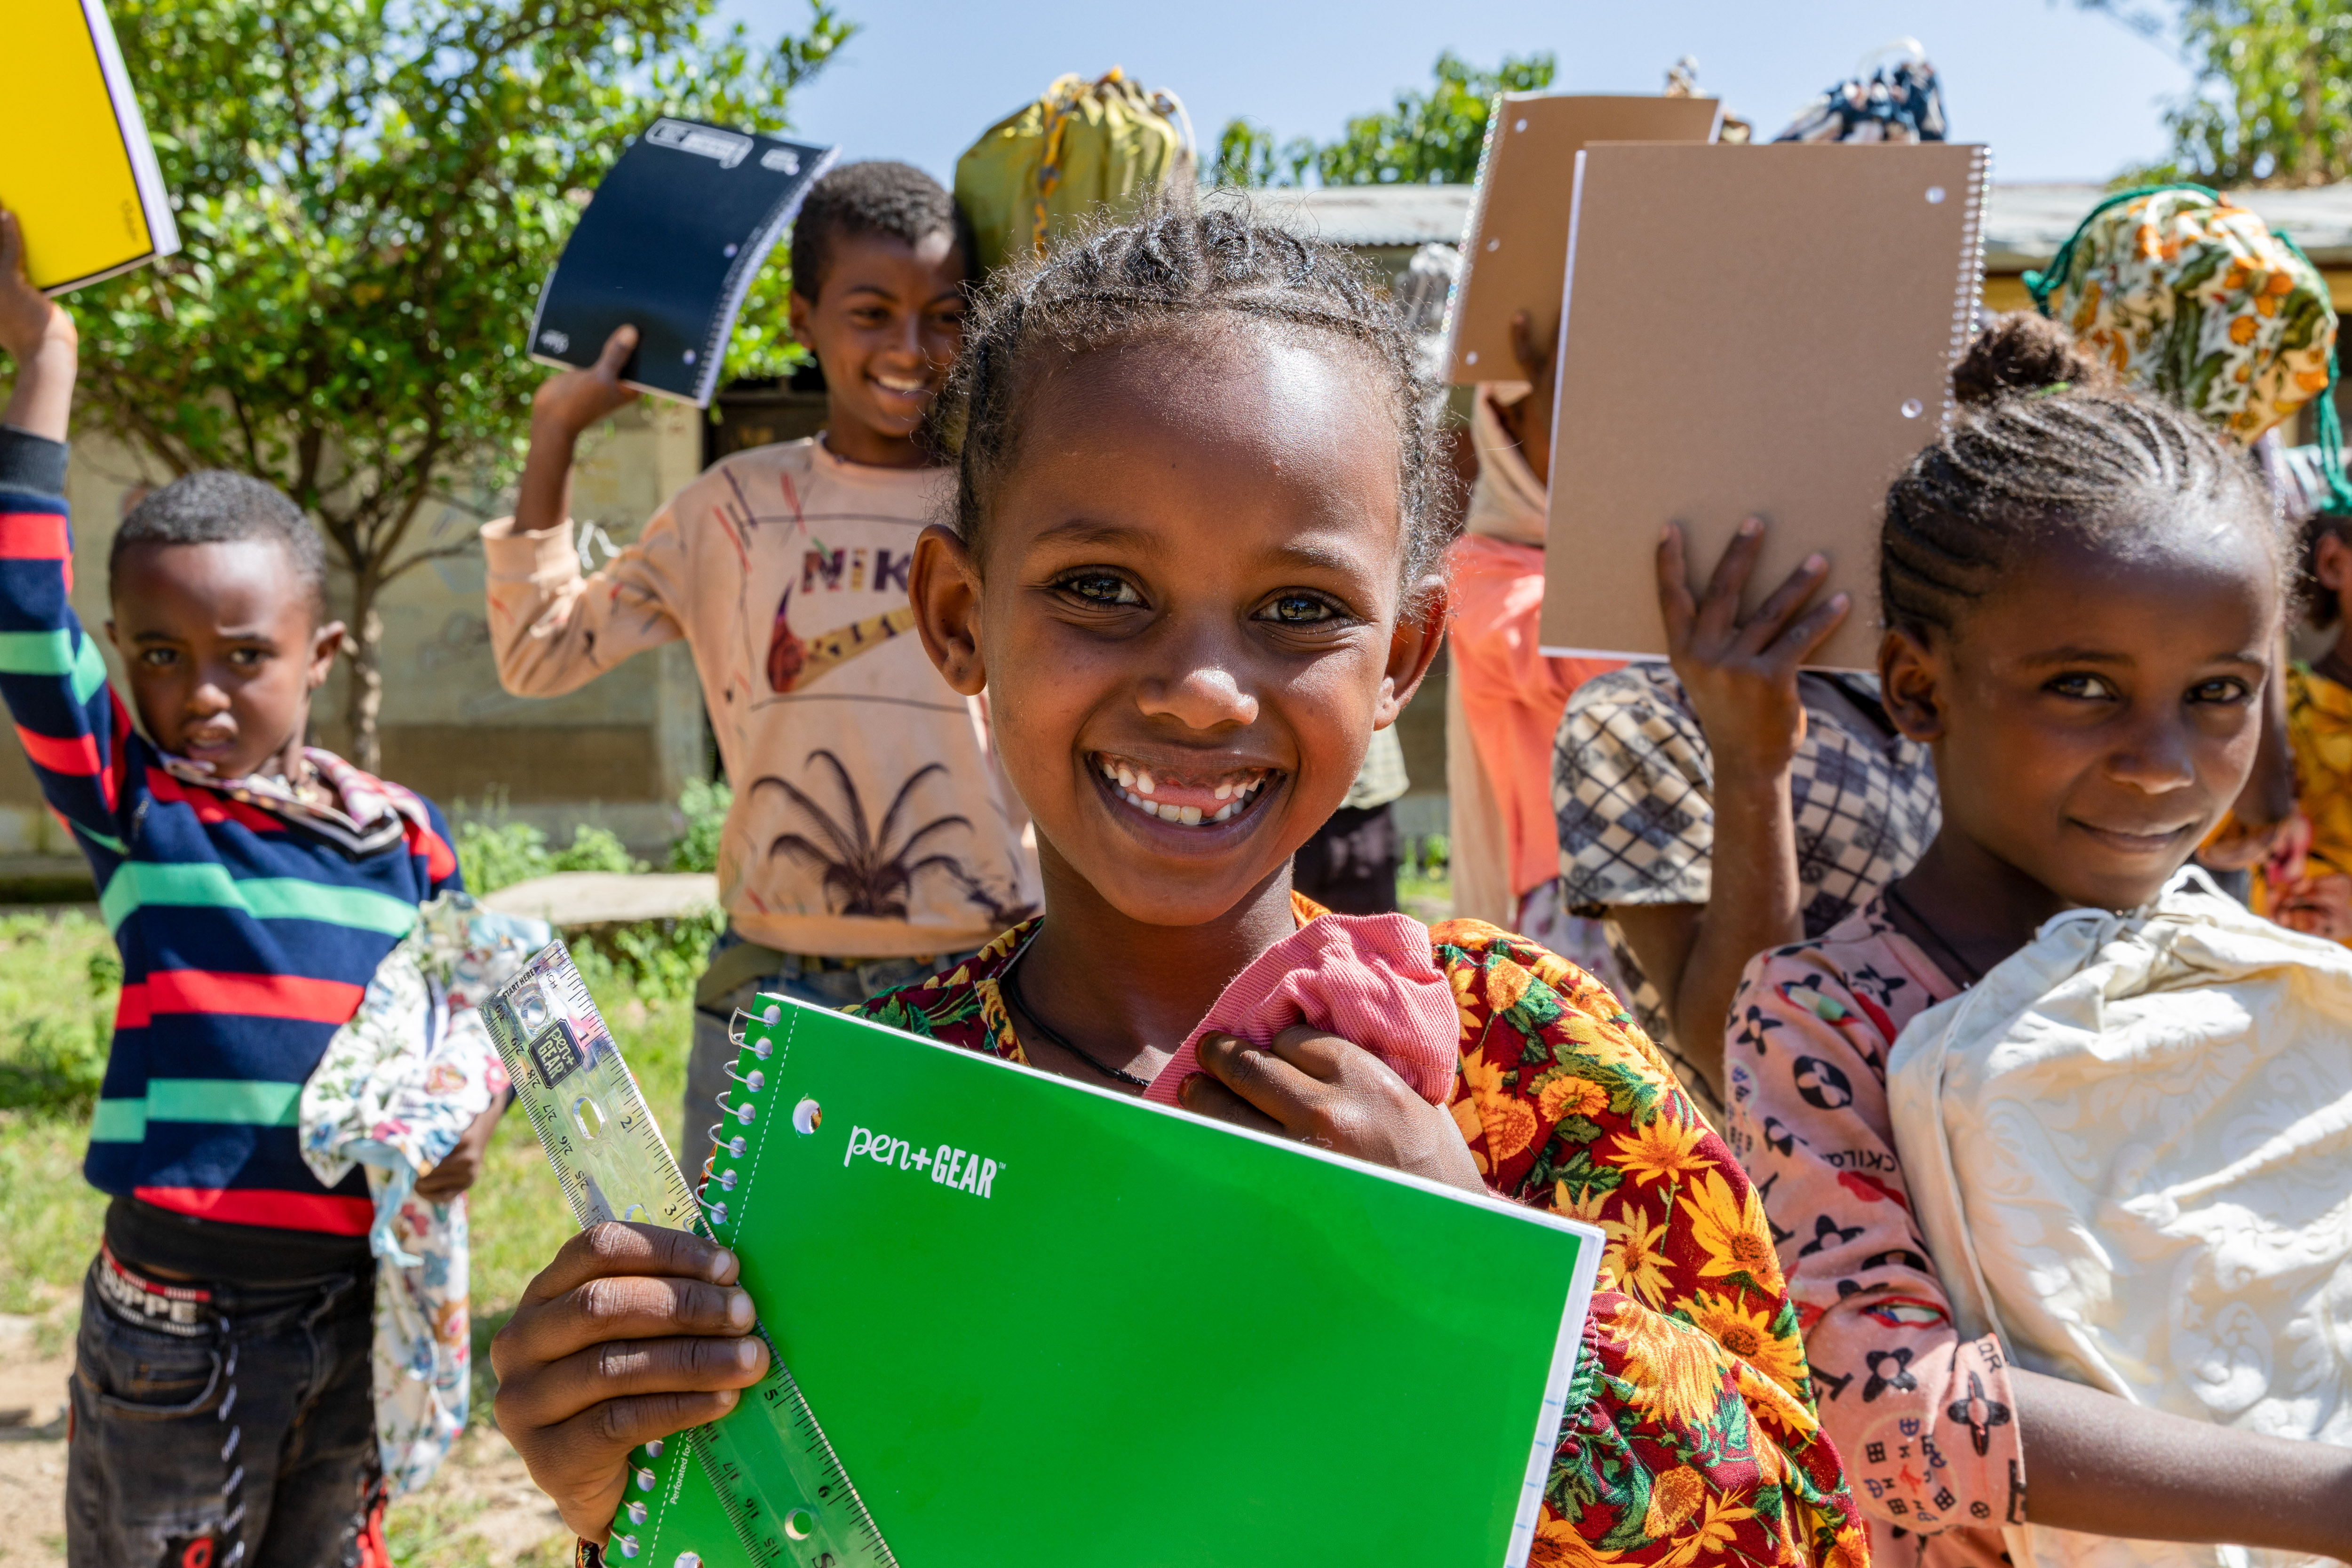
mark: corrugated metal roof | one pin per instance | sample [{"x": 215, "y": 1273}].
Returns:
[
  {"x": 1371, "y": 214},
  {"x": 2024, "y": 225}
]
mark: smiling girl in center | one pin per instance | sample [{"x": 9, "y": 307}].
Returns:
[{"x": 1194, "y": 566}]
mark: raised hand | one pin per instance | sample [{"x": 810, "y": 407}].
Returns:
[
  {"x": 1741, "y": 675},
  {"x": 575, "y": 399},
  {"x": 562, "y": 408},
  {"x": 40, "y": 337},
  {"x": 1529, "y": 419}
]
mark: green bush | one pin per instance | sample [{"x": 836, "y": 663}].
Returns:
[
  {"x": 705, "y": 803},
  {"x": 494, "y": 854},
  {"x": 58, "y": 979},
  {"x": 657, "y": 960}
]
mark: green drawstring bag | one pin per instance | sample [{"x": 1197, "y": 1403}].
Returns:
[{"x": 1086, "y": 147}]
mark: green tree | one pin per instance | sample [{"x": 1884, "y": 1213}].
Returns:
[
  {"x": 1425, "y": 138},
  {"x": 369, "y": 193},
  {"x": 2273, "y": 100}
]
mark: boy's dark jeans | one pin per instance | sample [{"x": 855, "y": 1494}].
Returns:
[{"x": 233, "y": 1431}]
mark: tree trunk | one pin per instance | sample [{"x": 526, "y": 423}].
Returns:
[{"x": 364, "y": 702}]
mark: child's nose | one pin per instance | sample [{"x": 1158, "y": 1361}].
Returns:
[
  {"x": 2157, "y": 757},
  {"x": 1205, "y": 698}
]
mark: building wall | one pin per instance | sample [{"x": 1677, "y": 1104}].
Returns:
[{"x": 616, "y": 753}]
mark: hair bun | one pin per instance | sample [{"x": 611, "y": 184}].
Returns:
[{"x": 2019, "y": 351}]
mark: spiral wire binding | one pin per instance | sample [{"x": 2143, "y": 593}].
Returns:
[
  {"x": 1966, "y": 297},
  {"x": 722, "y": 1141}
]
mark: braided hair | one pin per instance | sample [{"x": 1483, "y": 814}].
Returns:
[
  {"x": 1178, "y": 268},
  {"x": 2047, "y": 448}
]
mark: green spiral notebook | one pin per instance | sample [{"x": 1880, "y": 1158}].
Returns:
[{"x": 1042, "y": 1324}]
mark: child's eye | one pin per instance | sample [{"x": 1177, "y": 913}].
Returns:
[
  {"x": 247, "y": 658},
  {"x": 1100, "y": 588},
  {"x": 158, "y": 658},
  {"x": 2225, "y": 688},
  {"x": 2090, "y": 687},
  {"x": 1300, "y": 609}
]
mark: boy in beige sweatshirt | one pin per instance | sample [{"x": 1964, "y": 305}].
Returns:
[{"x": 872, "y": 836}]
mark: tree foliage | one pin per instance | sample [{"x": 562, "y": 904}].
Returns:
[
  {"x": 2273, "y": 100},
  {"x": 1424, "y": 138},
  {"x": 368, "y": 193}
]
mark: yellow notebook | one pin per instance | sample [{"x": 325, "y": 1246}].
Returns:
[{"x": 76, "y": 166}]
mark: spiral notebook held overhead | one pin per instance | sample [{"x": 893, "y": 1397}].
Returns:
[
  {"x": 669, "y": 243},
  {"x": 1762, "y": 331},
  {"x": 1010, "y": 1297},
  {"x": 1514, "y": 247},
  {"x": 76, "y": 165}
]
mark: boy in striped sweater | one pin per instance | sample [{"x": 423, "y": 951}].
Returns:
[{"x": 221, "y": 1404}]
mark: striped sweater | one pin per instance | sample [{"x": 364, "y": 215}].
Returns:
[{"x": 247, "y": 939}]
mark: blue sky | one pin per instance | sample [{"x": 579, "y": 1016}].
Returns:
[{"x": 2059, "y": 94}]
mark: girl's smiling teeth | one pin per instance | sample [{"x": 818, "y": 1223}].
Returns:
[{"x": 1185, "y": 802}]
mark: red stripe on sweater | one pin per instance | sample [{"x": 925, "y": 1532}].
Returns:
[
  {"x": 130, "y": 1011},
  {"x": 211, "y": 809},
  {"x": 34, "y": 536},
  {"x": 251, "y": 995},
  {"x": 118, "y": 776},
  {"x": 259, "y": 1206},
  {"x": 76, "y": 756},
  {"x": 440, "y": 860}
]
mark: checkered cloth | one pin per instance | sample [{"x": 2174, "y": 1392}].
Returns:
[
  {"x": 1633, "y": 790},
  {"x": 1382, "y": 778}
]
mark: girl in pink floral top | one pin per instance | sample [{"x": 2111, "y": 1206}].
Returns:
[
  {"x": 2083, "y": 597},
  {"x": 1925, "y": 1419}
]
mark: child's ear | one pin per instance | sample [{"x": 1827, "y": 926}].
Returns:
[
  {"x": 325, "y": 643},
  {"x": 2331, "y": 562},
  {"x": 1419, "y": 633},
  {"x": 1910, "y": 682},
  {"x": 796, "y": 315},
  {"x": 943, "y": 588}
]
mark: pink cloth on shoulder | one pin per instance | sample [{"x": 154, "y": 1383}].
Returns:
[{"x": 1368, "y": 979}]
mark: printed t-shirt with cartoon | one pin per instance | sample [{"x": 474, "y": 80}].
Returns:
[
  {"x": 870, "y": 819},
  {"x": 1634, "y": 790},
  {"x": 1923, "y": 1418},
  {"x": 1692, "y": 1434}
]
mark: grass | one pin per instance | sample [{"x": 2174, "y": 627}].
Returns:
[
  {"x": 57, "y": 982},
  {"x": 428, "y": 1531}
]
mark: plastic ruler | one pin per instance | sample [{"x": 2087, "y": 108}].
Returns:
[{"x": 766, "y": 1464}]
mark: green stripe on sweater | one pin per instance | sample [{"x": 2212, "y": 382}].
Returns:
[
  {"x": 235, "y": 1101},
  {"x": 240, "y": 1101},
  {"x": 141, "y": 882}
]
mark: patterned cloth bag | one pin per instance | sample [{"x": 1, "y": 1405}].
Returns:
[
  {"x": 2187, "y": 295},
  {"x": 397, "y": 1087}
]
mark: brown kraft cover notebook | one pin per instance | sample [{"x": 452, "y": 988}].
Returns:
[
  {"x": 1760, "y": 332},
  {"x": 1514, "y": 251}
]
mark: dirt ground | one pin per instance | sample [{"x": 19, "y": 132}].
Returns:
[{"x": 481, "y": 1509}]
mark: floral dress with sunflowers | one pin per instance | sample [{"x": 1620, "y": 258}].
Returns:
[{"x": 1691, "y": 1432}]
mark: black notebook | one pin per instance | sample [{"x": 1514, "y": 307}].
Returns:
[{"x": 669, "y": 243}]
